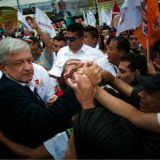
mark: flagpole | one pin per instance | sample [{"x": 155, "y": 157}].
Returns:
[
  {"x": 18, "y": 5},
  {"x": 97, "y": 10},
  {"x": 148, "y": 49}
]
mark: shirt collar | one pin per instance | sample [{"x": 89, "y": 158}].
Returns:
[{"x": 82, "y": 49}]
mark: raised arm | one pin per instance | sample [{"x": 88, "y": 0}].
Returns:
[
  {"x": 147, "y": 121},
  {"x": 43, "y": 35},
  {"x": 118, "y": 84}
]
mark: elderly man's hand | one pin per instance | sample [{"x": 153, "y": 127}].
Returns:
[{"x": 72, "y": 67}]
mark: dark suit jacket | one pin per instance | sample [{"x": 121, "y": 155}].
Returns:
[{"x": 25, "y": 119}]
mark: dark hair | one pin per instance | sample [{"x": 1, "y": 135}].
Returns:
[
  {"x": 136, "y": 62},
  {"x": 76, "y": 27},
  {"x": 35, "y": 41},
  {"x": 92, "y": 30},
  {"x": 59, "y": 38},
  {"x": 106, "y": 27},
  {"x": 131, "y": 33},
  {"x": 61, "y": 2},
  {"x": 62, "y": 30},
  {"x": 122, "y": 44},
  {"x": 100, "y": 134},
  {"x": 109, "y": 39}
]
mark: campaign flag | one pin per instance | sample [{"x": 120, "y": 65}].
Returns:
[
  {"x": 105, "y": 17},
  {"x": 91, "y": 19},
  {"x": 150, "y": 27},
  {"x": 44, "y": 22},
  {"x": 130, "y": 16},
  {"x": 115, "y": 9}
]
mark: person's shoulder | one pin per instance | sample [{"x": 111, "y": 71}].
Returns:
[
  {"x": 39, "y": 71},
  {"x": 38, "y": 67},
  {"x": 63, "y": 51},
  {"x": 91, "y": 49},
  {"x": 8, "y": 85}
]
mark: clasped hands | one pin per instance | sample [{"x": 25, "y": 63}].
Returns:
[{"x": 83, "y": 79}]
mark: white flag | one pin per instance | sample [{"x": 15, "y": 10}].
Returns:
[
  {"x": 105, "y": 16},
  {"x": 91, "y": 19},
  {"x": 133, "y": 3},
  {"x": 44, "y": 22},
  {"x": 22, "y": 19},
  {"x": 84, "y": 18},
  {"x": 130, "y": 16}
]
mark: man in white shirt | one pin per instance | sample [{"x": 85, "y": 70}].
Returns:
[
  {"x": 58, "y": 43},
  {"x": 117, "y": 48},
  {"x": 76, "y": 49},
  {"x": 42, "y": 83}
]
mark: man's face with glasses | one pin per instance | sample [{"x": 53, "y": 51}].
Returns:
[{"x": 74, "y": 41}]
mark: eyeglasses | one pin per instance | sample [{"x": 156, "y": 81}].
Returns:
[{"x": 72, "y": 39}]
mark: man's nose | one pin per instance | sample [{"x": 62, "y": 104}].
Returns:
[{"x": 28, "y": 66}]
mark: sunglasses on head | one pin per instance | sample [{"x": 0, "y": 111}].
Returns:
[{"x": 71, "y": 39}]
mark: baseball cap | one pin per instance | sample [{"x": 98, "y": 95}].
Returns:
[
  {"x": 150, "y": 82},
  {"x": 56, "y": 71},
  {"x": 57, "y": 68}
]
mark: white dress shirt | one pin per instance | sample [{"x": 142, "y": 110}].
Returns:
[
  {"x": 106, "y": 65},
  {"x": 86, "y": 53},
  {"x": 42, "y": 82}
]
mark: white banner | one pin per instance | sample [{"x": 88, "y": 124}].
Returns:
[
  {"x": 130, "y": 16},
  {"x": 105, "y": 16},
  {"x": 133, "y": 3},
  {"x": 91, "y": 19},
  {"x": 44, "y": 22}
]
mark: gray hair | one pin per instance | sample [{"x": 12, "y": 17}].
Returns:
[{"x": 10, "y": 46}]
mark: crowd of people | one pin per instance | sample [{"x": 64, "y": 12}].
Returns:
[{"x": 84, "y": 94}]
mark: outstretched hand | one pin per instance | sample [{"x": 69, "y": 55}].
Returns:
[
  {"x": 9, "y": 28},
  {"x": 92, "y": 70},
  {"x": 31, "y": 21}
]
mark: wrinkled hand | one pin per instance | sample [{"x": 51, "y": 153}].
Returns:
[
  {"x": 72, "y": 67},
  {"x": 52, "y": 100},
  {"x": 84, "y": 90},
  {"x": 93, "y": 71},
  {"x": 9, "y": 28}
]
